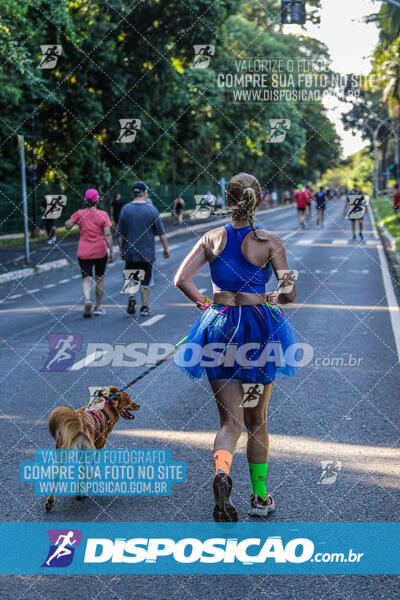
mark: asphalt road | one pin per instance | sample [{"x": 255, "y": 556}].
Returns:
[{"x": 334, "y": 412}]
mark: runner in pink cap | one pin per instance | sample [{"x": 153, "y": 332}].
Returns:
[
  {"x": 95, "y": 237},
  {"x": 91, "y": 196}
]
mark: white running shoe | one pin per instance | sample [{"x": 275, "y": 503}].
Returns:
[{"x": 260, "y": 507}]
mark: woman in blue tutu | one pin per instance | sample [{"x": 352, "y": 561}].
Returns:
[{"x": 242, "y": 340}]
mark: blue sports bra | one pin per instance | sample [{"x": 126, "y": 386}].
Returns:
[{"x": 230, "y": 270}]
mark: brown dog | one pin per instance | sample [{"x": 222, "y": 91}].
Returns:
[{"x": 88, "y": 427}]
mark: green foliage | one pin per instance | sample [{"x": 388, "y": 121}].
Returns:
[
  {"x": 132, "y": 59},
  {"x": 356, "y": 169}
]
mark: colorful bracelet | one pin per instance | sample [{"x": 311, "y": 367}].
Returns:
[{"x": 207, "y": 303}]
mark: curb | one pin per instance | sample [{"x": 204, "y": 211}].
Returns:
[
  {"x": 389, "y": 244},
  {"x": 64, "y": 262}
]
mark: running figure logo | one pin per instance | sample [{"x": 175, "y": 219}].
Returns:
[
  {"x": 252, "y": 393},
  {"x": 357, "y": 205},
  {"x": 132, "y": 280},
  {"x": 63, "y": 347},
  {"x": 63, "y": 543},
  {"x": 50, "y": 56},
  {"x": 205, "y": 204},
  {"x": 129, "y": 129},
  {"x": 279, "y": 129},
  {"x": 54, "y": 206},
  {"x": 286, "y": 279},
  {"x": 330, "y": 471},
  {"x": 202, "y": 56}
]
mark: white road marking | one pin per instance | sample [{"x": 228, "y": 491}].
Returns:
[
  {"x": 33, "y": 291},
  {"x": 64, "y": 281},
  {"x": 14, "y": 296},
  {"x": 341, "y": 241},
  {"x": 152, "y": 320},
  {"x": 87, "y": 360},
  {"x": 372, "y": 242},
  {"x": 308, "y": 242},
  {"x": 202, "y": 290},
  {"x": 388, "y": 285},
  {"x": 49, "y": 285},
  {"x": 76, "y": 277}
]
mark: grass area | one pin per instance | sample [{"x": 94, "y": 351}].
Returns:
[
  {"x": 383, "y": 209},
  {"x": 6, "y": 242}
]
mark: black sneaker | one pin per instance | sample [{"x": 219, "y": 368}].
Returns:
[
  {"x": 361, "y": 236},
  {"x": 354, "y": 238},
  {"x": 131, "y": 306},
  {"x": 223, "y": 509},
  {"x": 260, "y": 507},
  {"x": 144, "y": 311}
]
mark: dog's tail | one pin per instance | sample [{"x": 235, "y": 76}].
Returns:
[{"x": 66, "y": 427}]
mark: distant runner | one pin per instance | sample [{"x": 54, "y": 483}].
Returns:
[
  {"x": 357, "y": 206},
  {"x": 300, "y": 198},
  {"x": 320, "y": 200},
  {"x": 309, "y": 193}
]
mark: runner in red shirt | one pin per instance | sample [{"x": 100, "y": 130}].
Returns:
[
  {"x": 300, "y": 198},
  {"x": 310, "y": 194}
]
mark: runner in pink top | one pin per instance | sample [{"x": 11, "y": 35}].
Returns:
[{"x": 95, "y": 235}]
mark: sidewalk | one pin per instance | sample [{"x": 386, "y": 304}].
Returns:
[{"x": 46, "y": 257}]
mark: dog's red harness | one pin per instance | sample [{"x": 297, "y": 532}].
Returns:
[{"x": 94, "y": 412}]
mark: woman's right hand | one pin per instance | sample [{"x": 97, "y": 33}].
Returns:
[{"x": 110, "y": 258}]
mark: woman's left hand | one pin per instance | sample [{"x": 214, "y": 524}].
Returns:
[{"x": 110, "y": 258}]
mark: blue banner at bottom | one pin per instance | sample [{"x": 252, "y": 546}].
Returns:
[{"x": 200, "y": 548}]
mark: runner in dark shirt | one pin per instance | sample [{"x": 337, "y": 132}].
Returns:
[{"x": 320, "y": 200}]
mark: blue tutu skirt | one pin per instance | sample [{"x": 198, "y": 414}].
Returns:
[{"x": 250, "y": 343}]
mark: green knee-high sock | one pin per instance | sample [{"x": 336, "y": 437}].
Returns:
[{"x": 258, "y": 476}]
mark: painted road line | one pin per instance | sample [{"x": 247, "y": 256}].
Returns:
[
  {"x": 15, "y": 296},
  {"x": 308, "y": 242},
  {"x": 372, "y": 242},
  {"x": 202, "y": 290},
  {"x": 88, "y": 360},
  {"x": 76, "y": 277},
  {"x": 33, "y": 291},
  {"x": 341, "y": 241},
  {"x": 49, "y": 285},
  {"x": 389, "y": 290},
  {"x": 152, "y": 320},
  {"x": 64, "y": 280}
]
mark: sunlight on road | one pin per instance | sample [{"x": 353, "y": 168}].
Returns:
[{"x": 379, "y": 461}]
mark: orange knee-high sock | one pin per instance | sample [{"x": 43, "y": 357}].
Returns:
[{"x": 222, "y": 460}]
